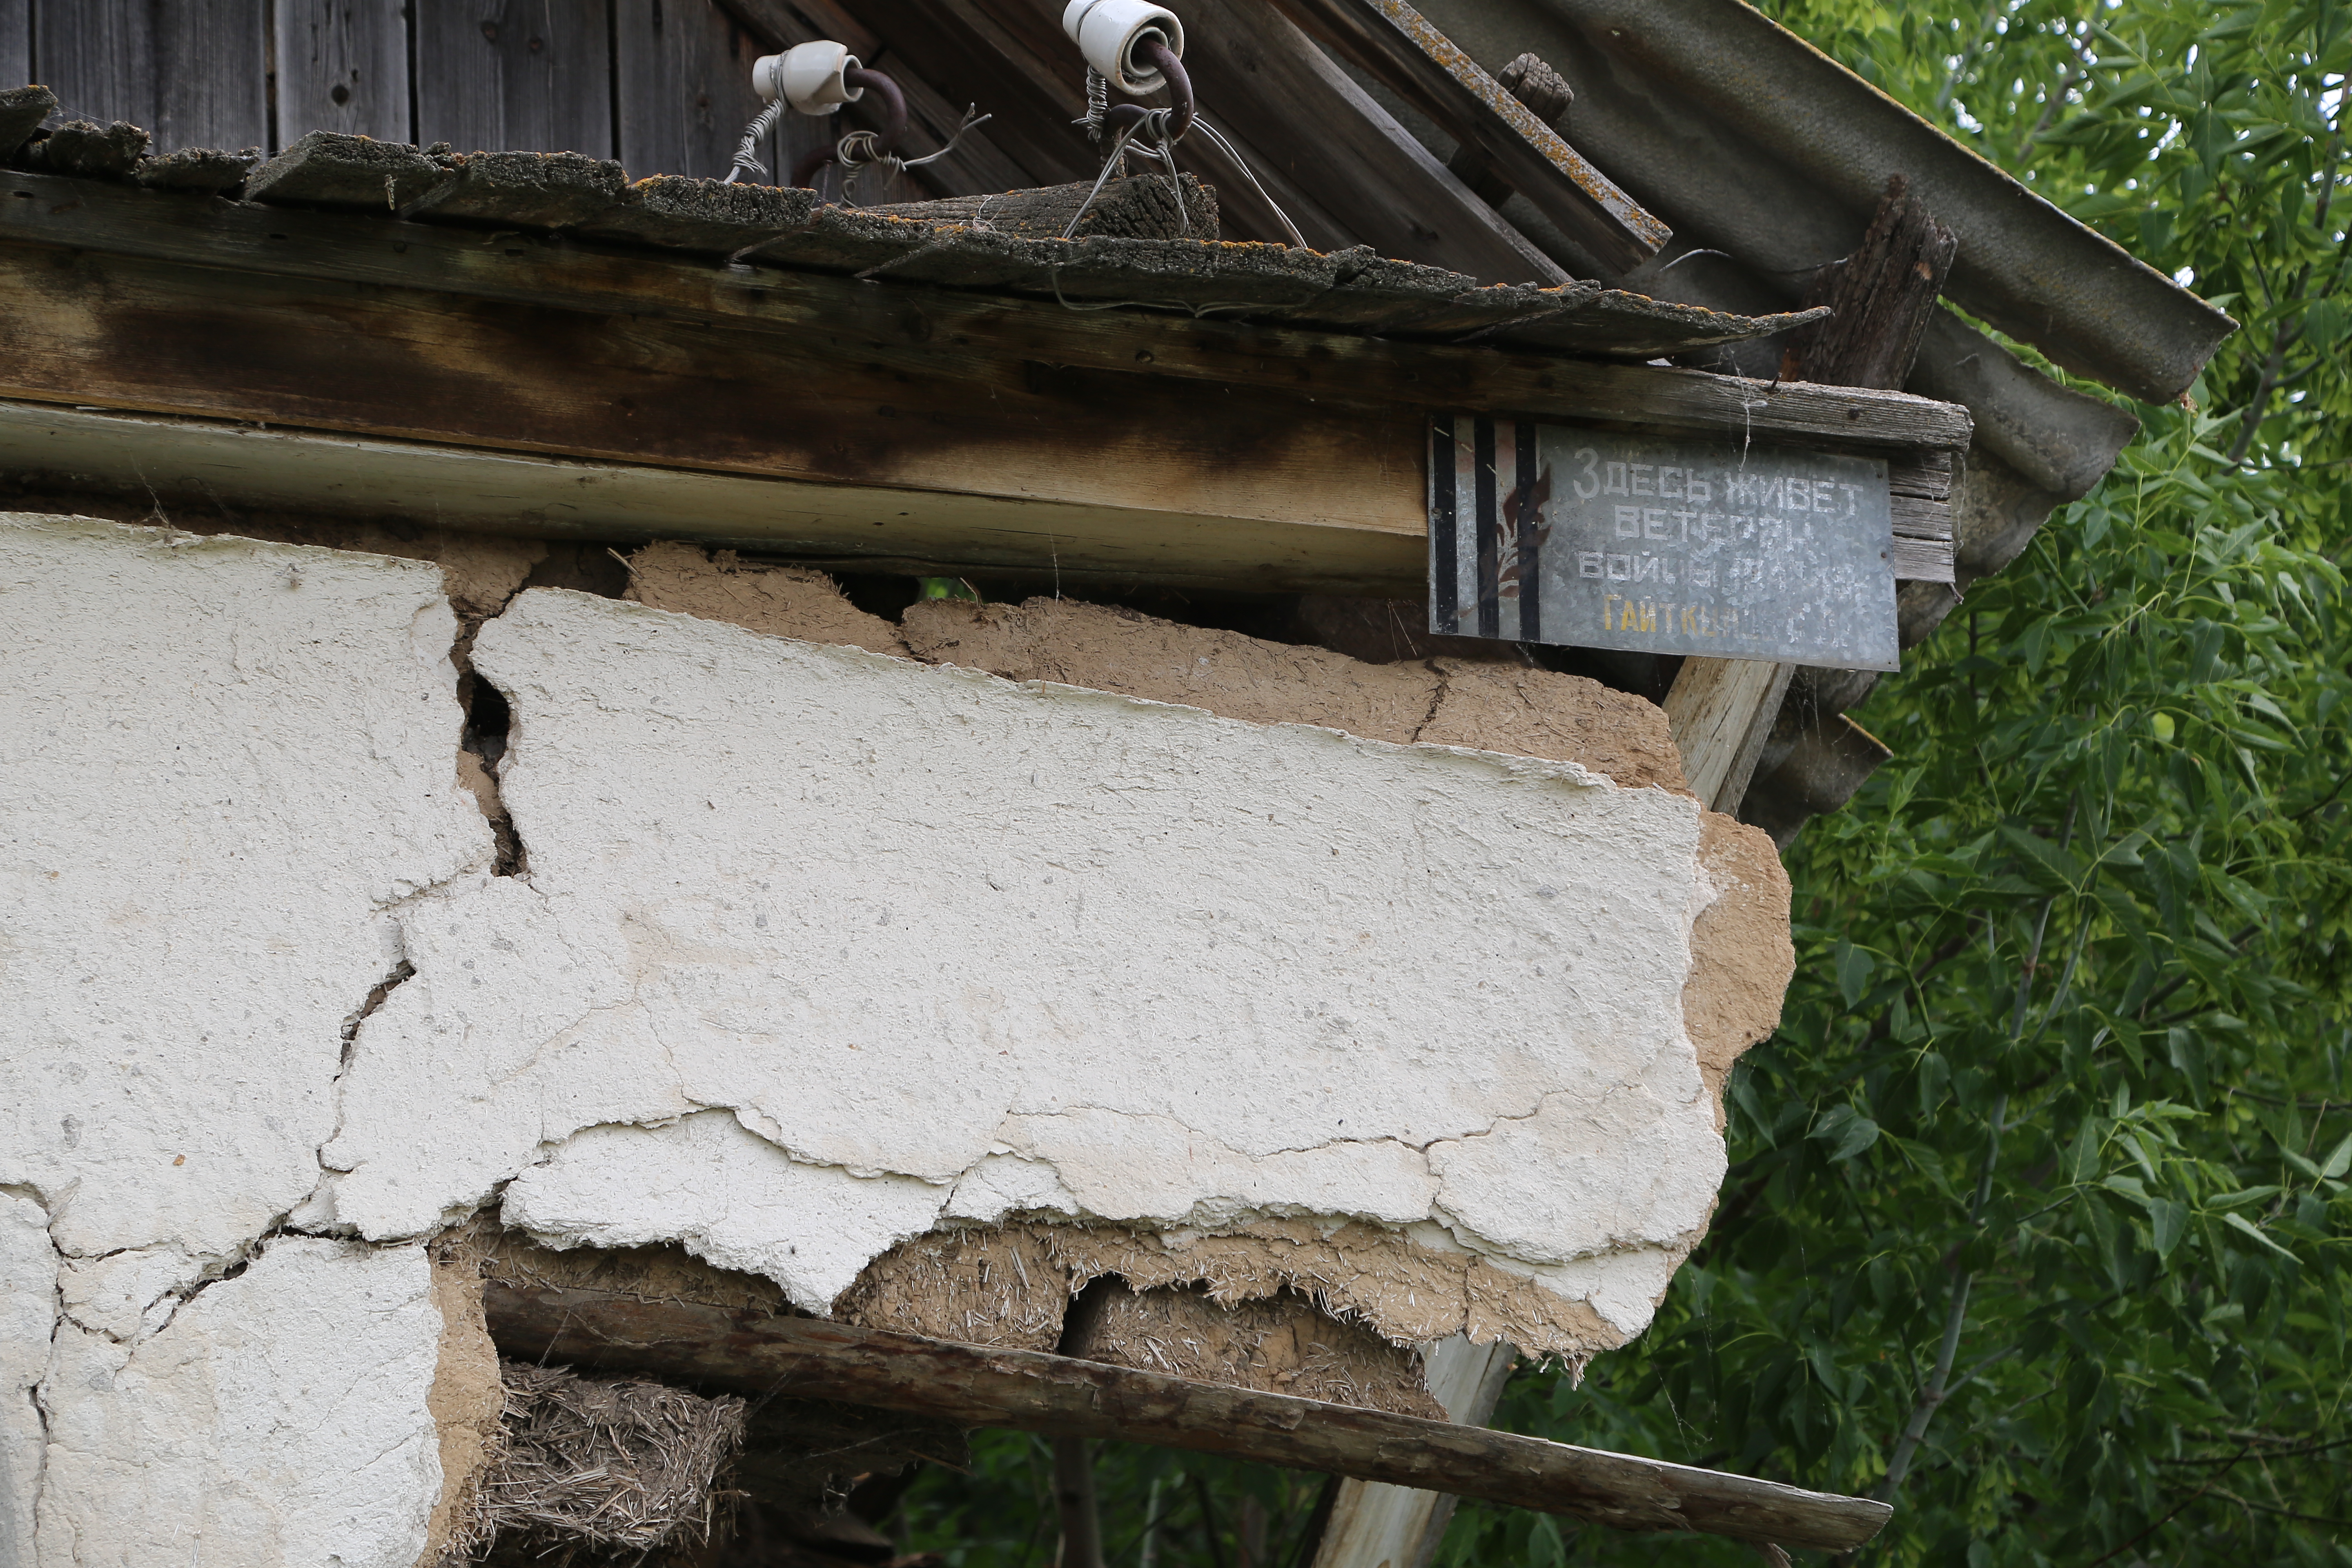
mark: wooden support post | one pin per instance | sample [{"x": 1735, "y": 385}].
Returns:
[
  {"x": 807, "y": 1358},
  {"x": 1074, "y": 1502},
  {"x": 1371, "y": 1524},
  {"x": 1721, "y": 712}
]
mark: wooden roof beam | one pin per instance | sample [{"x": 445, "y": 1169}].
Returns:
[{"x": 1400, "y": 47}]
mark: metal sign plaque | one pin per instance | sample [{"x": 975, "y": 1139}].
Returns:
[{"x": 1556, "y": 533}]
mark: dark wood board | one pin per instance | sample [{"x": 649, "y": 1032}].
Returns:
[
  {"x": 916, "y": 326},
  {"x": 816, "y": 405},
  {"x": 342, "y": 65},
  {"x": 192, "y": 73},
  {"x": 515, "y": 75},
  {"x": 808, "y": 1358}
]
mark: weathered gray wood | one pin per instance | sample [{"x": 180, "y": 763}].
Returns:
[
  {"x": 1882, "y": 296},
  {"x": 342, "y": 65},
  {"x": 1396, "y": 43},
  {"x": 192, "y": 73},
  {"x": 683, "y": 86},
  {"x": 15, "y": 43},
  {"x": 515, "y": 75},
  {"x": 1141, "y": 206},
  {"x": 1305, "y": 122},
  {"x": 1720, "y": 711},
  {"x": 917, "y": 325},
  {"x": 1063, "y": 1397}
]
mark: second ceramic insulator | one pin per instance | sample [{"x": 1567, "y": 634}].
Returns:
[{"x": 1107, "y": 32}]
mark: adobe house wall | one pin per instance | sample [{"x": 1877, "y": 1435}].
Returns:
[{"x": 822, "y": 961}]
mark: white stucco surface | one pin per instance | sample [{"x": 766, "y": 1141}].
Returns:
[
  {"x": 278, "y": 1419},
  {"x": 813, "y": 951},
  {"x": 1149, "y": 964},
  {"x": 28, "y": 1288},
  {"x": 220, "y": 762}
]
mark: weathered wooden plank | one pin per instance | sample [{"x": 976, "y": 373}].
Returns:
[
  {"x": 342, "y": 65},
  {"x": 125, "y": 332},
  {"x": 193, "y": 73},
  {"x": 15, "y": 43},
  {"x": 208, "y": 464},
  {"x": 1063, "y": 1397},
  {"x": 515, "y": 75},
  {"x": 1396, "y": 43},
  {"x": 683, "y": 76},
  {"x": 915, "y": 326}
]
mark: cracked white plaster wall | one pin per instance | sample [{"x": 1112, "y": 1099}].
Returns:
[
  {"x": 279, "y": 1419},
  {"x": 29, "y": 1315},
  {"x": 1027, "y": 946},
  {"x": 221, "y": 763}
]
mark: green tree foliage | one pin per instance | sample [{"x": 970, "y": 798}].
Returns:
[
  {"x": 2040, "y": 1215},
  {"x": 2038, "y": 1221}
]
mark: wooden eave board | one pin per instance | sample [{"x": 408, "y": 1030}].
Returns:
[{"x": 1145, "y": 443}]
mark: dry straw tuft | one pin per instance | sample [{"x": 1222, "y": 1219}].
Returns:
[{"x": 592, "y": 1467}]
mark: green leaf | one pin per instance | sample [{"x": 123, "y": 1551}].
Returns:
[
  {"x": 2340, "y": 1161},
  {"x": 2167, "y": 1220},
  {"x": 2239, "y": 1222},
  {"x": 1855, "y": 967}
]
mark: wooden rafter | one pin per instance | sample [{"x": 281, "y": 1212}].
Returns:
[{"x": 1398, "y": 45}]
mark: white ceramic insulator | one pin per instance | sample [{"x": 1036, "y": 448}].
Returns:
[
  {"x": 808, "y": 76},
  {"x": 1107, "y": 32}
]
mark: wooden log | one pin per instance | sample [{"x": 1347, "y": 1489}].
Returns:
[
  {"x": 1141, "y": 206},
  {"x": 809, "y": 1358},
  {"x": 914, "y": 327},
  {"x": 1396, "y": 43},
  {"x": 1546, "y": 95}
]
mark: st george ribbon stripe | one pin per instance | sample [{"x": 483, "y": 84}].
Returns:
[
  {"x": 1444, "y": 573},
  {"x": 1529, "y": 518},
  {"x": 1490, "y": 565}
]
